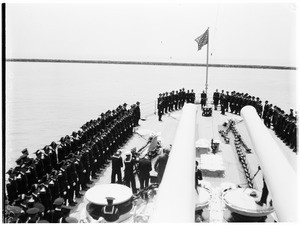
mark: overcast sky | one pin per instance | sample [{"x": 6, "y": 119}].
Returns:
[{"x": 248, "y": 33}]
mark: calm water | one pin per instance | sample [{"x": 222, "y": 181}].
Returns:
[{"x": 46, "y": 101}]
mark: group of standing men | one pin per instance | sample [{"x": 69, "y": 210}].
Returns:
[
  {"x": 168, "y": 102},
  {"x": 61, "y": 170},
  {"x": 133, "y": 164},
  {"x": 284, "y": 125}
]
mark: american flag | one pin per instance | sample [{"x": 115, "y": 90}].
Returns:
[{"x": 202, "y": 40}]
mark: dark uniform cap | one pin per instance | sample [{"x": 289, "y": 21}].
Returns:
[
  {"x": 24, "y": 151},
  {"x": 10, "y": 171},
  {"x": 71, "y": 220},
  {"x": 58, "y": 201},
  {"x": 40, "y": 206},
  {"x": 14, "y": 209},
  {"x": 110, "y": 199},
  {"x": 32, "y": 211},
  {"x": 43, "y": 221},
  {"x": 53, "y": 144}
]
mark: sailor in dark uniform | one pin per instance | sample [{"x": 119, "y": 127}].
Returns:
[
  {"x": 65, "y": 210},
  {"x": 53, "y": 189},
  {"x": 47, "y": 161},
  {"x": 21, "y": 181},
  {"x": 193, "y": 96},
  {"x": 167, "y": 100},
  {"x": 63, "y": 185},
  {"x": 264, "y": 194},
  {"x": 160, "y": 109},
  {"x": 129, "y": 176},
  {"x": 161, "y": 163},
  {"x": 33, "y": 216},
  {"x": 45, "y": 197},
  {"x": 56, "y": 214},
  {"x": 39, "y": 164},
  {"x": 61, "y": 152},
  {"x": 266, "y": 107},
  {"x": 227, "y": 100},
  {"x": 216, "y": 97},
  {"x": 53, "y": 154},
  {"x": 110, "y": 212},
  {"x": 144, "y": 169},
  {"x": 137, "y": 113},
  {"x": 203, "y": 99},
  {"x": 117, "y": 164},
  {"x": 11, "y": 186}
]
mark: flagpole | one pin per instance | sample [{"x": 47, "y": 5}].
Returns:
[{"x": 206, "y": 84}]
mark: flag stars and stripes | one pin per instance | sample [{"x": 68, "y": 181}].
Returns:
[{"x": 202, "y": 40}]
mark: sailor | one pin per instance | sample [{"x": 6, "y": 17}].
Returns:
[
  {"x": 56, "y": 214},
  {"x": 53, "y": 154},
  {"x": 198, "y": 175},
  {"x": 21, "y": 181},
  {"x": 160, "y": 107},
  {"x": 175, "y": 98},
  {"x": 117, "y": 164},
  {"x": 53, "y": 189},
  {"x": 268, "y": 116},
  {"x": 129, "y": 176},
  {"x": 203, "y": 99},
  {"x": 33, "y": 216},
  {"x": 65, "y": 218},
  {"x": 110, "y": 212},
  {"x": 11, "y": 186},
  {"x": 266, "y": 106},
  {"x": 47, "y": 160},
  {"x": 226, "y": 101},
  {"x": 137, "y": 114},
  {"x": 167, "y": 99},
  {"x": 144, "y": 168},
  {"x": 63, "y": 185},
  {"x": 45, "y": 197},
  {"x": 216, "y": 97},
  {"x": 223, "y": 104},
  {"x": 39, "y": 165},
  {"x": 26, "y": 159},
  {"x": 41, "y": 208},
  {"x": 193, "y": 96},
  {"x": 171, "y": 100},
  {"x": 264, "y": 194},
  {"x": 161, "y": 163},
  {"x": 71, "y": 176}
]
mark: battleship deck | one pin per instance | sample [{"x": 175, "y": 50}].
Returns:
[{"x": 206, "y": 128}]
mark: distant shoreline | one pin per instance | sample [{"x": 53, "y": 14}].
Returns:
[{"x": 152, "y": 63}]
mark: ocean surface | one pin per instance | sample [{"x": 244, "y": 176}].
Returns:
[{"x": 45, "y": 101}]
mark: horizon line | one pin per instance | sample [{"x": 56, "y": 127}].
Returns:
[{"x": 149, "y": 63}]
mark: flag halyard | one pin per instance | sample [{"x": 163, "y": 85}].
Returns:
[{"x": 202, "y": 40}]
